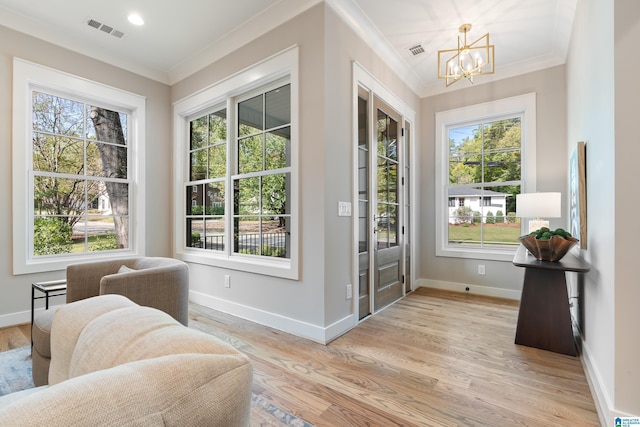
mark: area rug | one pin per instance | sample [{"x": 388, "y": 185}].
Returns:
[{"x": 15, "y": 375}]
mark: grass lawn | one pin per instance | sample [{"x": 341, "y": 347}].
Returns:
[
  {"x": 98, "y": 242},
  {"x": 493, "y": 233}
]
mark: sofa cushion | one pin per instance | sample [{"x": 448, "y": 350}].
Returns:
[
  {"x": 175, "y": 390},
  {"x": 110, "y": 340},
  {"x": 124, "y": 269},
  {"x": 69, "y": 321}
]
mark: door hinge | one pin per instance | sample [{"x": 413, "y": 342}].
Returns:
[
  {"x": 403, "y": 180},
  {"x": 403, "y": 229},
  {"x": 402, "y": 131},
  {"x": 403, "y": 278}
]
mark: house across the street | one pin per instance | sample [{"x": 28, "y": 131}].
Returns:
[{"x": 478, "y": 200}]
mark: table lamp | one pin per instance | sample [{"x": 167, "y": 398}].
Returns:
[{"x": 538, "y": 206}]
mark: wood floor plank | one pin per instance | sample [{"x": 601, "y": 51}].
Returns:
[
  {"x": 15, "y": 337},
  {"x": 434, "y": 358}
]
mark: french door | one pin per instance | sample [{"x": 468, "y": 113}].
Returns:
[{"x": 382, "y": 247}]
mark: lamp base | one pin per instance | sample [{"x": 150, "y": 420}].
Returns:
[{"x": 536, "y": 224}]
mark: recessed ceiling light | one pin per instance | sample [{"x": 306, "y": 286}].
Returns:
[{"x": 136, "y": 19}]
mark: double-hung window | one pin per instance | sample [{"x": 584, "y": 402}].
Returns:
[
  {"x": 486, "y": 156},
  {"x": 76, "y": 140},
  {"x": 237, "y": 147}
]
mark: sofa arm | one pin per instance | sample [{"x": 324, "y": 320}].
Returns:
[
  {"x": 165, "y": 288},
  {"x": 175, "y": 390}
]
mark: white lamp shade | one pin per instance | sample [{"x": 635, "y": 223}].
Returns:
[{"x": 538, "y": 205}]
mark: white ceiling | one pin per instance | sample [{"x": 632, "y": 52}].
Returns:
[{"x": 179, "y": 38}]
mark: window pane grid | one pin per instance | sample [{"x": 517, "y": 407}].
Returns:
[
  {"x": 484, "y": 177},
  {"x": 261, "y": 187},
  {"x": 80, "y": 177},
  {"x": 260, "y": 178}
]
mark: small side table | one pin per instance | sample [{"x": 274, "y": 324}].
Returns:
[
  {"x": 51, "y": 288},
  {"x": 544, "y": 319}
]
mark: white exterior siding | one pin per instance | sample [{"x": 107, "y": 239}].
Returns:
[{"x": 498, "y": 203}]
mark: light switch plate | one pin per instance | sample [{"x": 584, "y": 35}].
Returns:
[{"x": 344, "y": 208}]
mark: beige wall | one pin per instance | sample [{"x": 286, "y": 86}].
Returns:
[
  {"x": 327, "y": 48},
  {"x": 281, "y": 301},
  {"x": 15, "y": 301},
  {"x": 501, "y": 278},
  {"x": 602, "y": 112},
  {"x": 343, "y": 47},
  {"x": 627, "y": 153}
]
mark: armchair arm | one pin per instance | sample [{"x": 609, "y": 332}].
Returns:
[
  {"x": 83, "y": 280},
  {"x": 164, "y": 287}
]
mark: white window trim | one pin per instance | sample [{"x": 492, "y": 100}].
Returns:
[
  {"x": 28, "y": 76},
  {"x": 523, "y": 104},
  {"x": 278, "y": 66}
]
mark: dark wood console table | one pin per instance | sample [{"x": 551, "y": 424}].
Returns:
[{"x": 544, "y": 319}]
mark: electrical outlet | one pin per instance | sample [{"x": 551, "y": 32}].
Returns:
[
  {"x": 349, "y": 291},
  {"x": 481, "y": 269},
  {"x": 227, "y": 281}
]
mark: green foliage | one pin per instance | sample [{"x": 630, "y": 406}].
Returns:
[
  {"x": 544, "y": 233},
  {"x": 463, "y": 215},
  {"x": 499, "y": 217},
  {"x": 477, "y": 217},
  {"x": 490, "y": 218},
  {"x": 492, "y": 155},
  {"x": 511, "y": 217},
  {"x": 273, "y": 251},
  {"x": 105, "y": 242},
  {"x": 195, "y": 237},
  {"x": 51, "y": 236}
]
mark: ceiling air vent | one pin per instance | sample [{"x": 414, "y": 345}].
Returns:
[
  {"x": 93, "y": 23},
  {"x": 104, "y": 28},
  {"x": 416, "y": 50}
]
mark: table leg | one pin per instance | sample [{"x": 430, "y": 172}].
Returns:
[
  {"x": 544, "y": 319},
  {"x": 32, "y": 308}
]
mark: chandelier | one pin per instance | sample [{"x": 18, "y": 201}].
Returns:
[{"x": 468, "y": 60}]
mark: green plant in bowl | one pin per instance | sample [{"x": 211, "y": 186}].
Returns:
[{"x": 548, "y": 245}]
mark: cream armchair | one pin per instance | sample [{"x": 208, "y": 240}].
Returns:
[{"x": 161, "y": 283}]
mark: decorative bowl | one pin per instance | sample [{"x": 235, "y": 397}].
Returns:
[{"x": 548, "y": 250}]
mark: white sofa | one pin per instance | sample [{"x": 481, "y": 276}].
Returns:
[{"x": 119, "y": 364}]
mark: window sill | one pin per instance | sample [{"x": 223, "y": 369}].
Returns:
[
  {"x": 505, "y": 254},
  {"x": 285, "y": 269}
]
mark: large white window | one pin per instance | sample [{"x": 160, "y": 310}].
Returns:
[
  {"x": 236, "y": 151},
  {"x": 485, "y": 156},
  {"x": 79, "y": 142}
]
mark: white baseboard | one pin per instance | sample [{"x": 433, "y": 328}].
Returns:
[
  {"x": 319, "y": 334},
  {"x": 606, "y": 411},
  {"x": 14, "y": 319},
  {"x": 20, "y": 317},
  {"x": 600, "y": 397},
  {"x": 474, "y": 289}
]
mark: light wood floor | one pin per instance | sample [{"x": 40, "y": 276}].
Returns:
[{"x": 434, "y": 358}]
